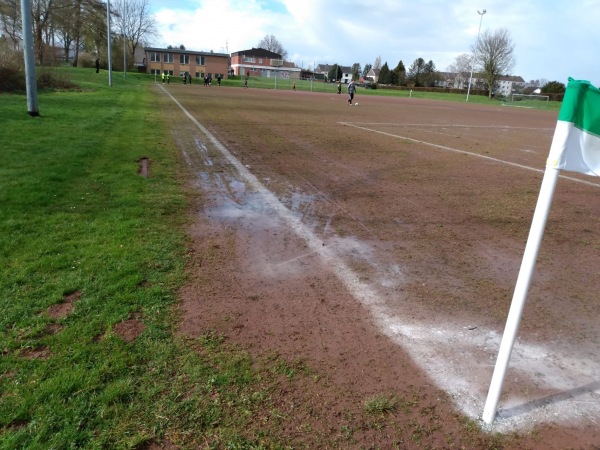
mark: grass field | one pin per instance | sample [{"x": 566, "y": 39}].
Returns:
[
  {"x": 94, "y": 252},
  {"x": 84, "y": 233}
]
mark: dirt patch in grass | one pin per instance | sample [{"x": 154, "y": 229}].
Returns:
[
  {"x": 64, "y": 308},
  {"x": 129, "y": 330}
]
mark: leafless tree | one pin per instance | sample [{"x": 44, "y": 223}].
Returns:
[
  {"x": 377, "y": 63},
  {"x": 461, "y": 67},
  {"x": 10, "y": 21},
  {"x": 135, "y": 21},
  {"x": 494, "y": 55},
  {"x": 270, "y": 42}
]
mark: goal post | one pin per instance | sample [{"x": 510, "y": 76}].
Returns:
[{"x": 529, "y": 98}]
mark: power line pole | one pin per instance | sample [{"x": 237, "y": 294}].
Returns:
[
  {"x": 109, "y": 42},
  {"x": 473, "y": 57}
]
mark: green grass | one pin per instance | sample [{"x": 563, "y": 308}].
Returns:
[{"x": 77, "y": 218}]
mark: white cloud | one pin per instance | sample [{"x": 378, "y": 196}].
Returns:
[{"x": 552, "y": 40}]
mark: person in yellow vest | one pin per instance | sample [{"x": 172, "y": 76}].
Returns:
[
  {"x": 168, "y": 77},
  {"x": 163, "y": 77}
]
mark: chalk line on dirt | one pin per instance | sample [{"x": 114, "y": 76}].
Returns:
[
  {"x": 458, "y": 359},
  {"x": 464, "y": 152}
]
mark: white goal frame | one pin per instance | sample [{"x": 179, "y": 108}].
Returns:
[{"x": 525, "y": 97}]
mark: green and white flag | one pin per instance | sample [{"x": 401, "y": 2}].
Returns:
[
  {"x": 576, "y": 142},
  {"x": 575, "y": 147}
]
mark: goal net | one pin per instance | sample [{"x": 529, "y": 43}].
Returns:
[{"x": 529, "y": 101}]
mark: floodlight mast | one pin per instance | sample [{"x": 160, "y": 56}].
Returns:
[{"x": 473, "y": 57}]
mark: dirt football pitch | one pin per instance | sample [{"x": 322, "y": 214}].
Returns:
[{"x": 379, "y": 246}]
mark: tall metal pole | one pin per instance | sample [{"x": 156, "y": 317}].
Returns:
[
  {"x": 28, "y": 54},
  {"x": 109, "y": 43},
  {"x": 124, "y": 56},
  {"x": 473, "y": 57}
]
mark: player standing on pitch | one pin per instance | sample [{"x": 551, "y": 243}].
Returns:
[{"x": 351, "y": 90}]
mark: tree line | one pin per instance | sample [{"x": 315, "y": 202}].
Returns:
[{"x": 78, "y": 26}]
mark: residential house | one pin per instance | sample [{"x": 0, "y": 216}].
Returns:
[
  {"x": 373, "y": 75},
  {"x": 445, "y": 79},
  {"x": 177, "y": 61},
  {"x": 346, "y": 74},
  {"x": 507, "y": 85},
  {"x": 323, "y": 69},
  {"x": 262, "y": 63}
]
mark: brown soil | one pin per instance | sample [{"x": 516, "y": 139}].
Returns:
[{"x": 438, "y": 234}]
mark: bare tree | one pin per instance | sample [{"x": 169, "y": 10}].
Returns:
[
  {"x": 270, "y": 42},
  {"x": 41, "y": 12},
  {"x": 77, "y": 22},
  {"x": 494, "y": 55},
  {"x": 461, "y": 67},
  {"x": 10, "y": 21},
  {"x": 135, "y": 21},
  {"x": 377, "y": 63}
]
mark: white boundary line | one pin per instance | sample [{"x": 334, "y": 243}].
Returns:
[
  {"x": 444, "y": 351},
  {"x": 464, "y": 152}
]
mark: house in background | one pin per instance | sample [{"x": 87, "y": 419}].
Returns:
[
  {"x": 373, "y": 75},
  {"x": 259, "y": 62},
  {"x": 177, "y": 61},
  {"x": 507, "y": 85},
  {"x": 346, "y": 74},
  {"x": 324, "y": 69}
]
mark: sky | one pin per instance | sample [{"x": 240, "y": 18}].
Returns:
[{"x": 553, "y": 40}]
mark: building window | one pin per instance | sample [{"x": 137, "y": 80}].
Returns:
[
  {"x": 199, "y": 60},
  {"x": 260, "y": 60},
  {"x": 184, "y": 59},
  {"x": 249, "y": 59},
  {"x": 168, "y": 57},
  {"x": 154, "y": 57}
]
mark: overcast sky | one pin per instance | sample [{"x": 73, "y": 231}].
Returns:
[{"x": 553, "y": 39}]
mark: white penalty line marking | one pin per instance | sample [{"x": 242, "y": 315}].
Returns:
[{"x": 464, "y": 152}]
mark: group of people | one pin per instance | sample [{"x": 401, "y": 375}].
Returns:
[
  {"x": 208, "y": 80},
  {"x": 187, "y": 78}
]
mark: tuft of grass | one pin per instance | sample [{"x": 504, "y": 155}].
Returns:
[{"x": 380, "y": 404}]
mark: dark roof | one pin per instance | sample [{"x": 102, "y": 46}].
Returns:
[
  {"x": 260, "y": 52},
  {"x": 189, "y": 52}
]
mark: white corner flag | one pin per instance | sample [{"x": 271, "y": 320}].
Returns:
[{"x": 575, "y": 147}]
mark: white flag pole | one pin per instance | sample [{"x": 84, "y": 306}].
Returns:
[{"x": 532, "y": 247}]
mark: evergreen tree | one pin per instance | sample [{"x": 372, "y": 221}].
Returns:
[
  {"x": 429, "y": 74},
  {"x": 553, "y": 87},
  {"x": 366, "y": 70},
  {"x": 335, "y": 73},
  {"x": 400, "y": 74},
  {"x": 356, "y": 71},
  {"x": 384, "y": 74}
]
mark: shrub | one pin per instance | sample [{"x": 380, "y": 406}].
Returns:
[{"x": 12, "y": 79}]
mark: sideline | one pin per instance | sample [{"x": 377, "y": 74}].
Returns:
[
  {"x": 456, "y": 357},
  {"x": 464, "y": 152}
]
